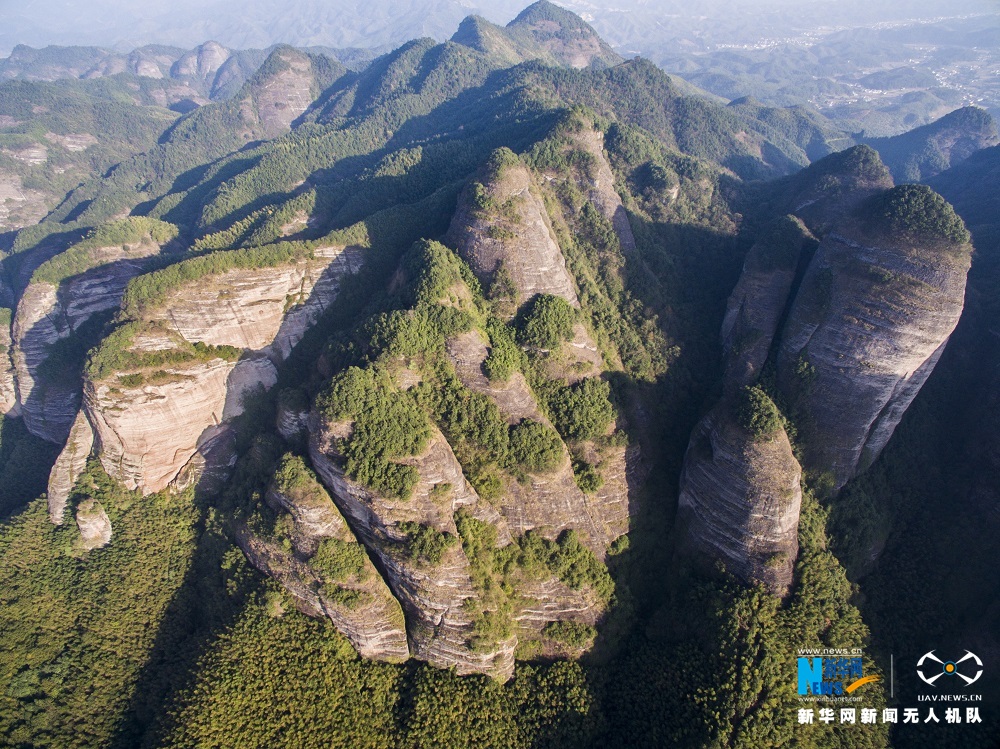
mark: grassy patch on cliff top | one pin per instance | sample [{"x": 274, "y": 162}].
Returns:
[{"x": 79, "y": 258}]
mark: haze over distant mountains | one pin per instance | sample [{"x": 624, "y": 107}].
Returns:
[{"x": 634, "y": 26}]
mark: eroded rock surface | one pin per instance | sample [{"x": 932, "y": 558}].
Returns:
[
  {"x": 264, "y": 311},
  {"x": 513, "y": 230},
  {"x": 760, "y": 298},
  {"x": 47, "y": 314},
  {"x": 94, "y": 525},
  {"x": 868, "y": 324},
  {"x": 69, "y": 466},
  {"x": 740, "y": 499}
]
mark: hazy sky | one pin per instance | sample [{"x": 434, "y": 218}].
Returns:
[{"x": 628, "y": 24}]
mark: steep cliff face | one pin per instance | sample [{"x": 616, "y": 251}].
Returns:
[
  {"x": 599, "y": 186},
  {"x": 50, "y": 313},
  {"x": 9, "y": 405},
  {"x": 551, "y": 502},
  {"x": 262, "y": 312},
  {"x": 93, "y": 524},
  {"x": 287, "y": 85},
  {"x": 438, "y": 593},
  {"x": 740, "y": 492},
  {"x": 320, "y": 563},
  {"x": 69, "y": 466},
  {"x": 501, "y": 222},
  {"x": 875, "y": 309},
  {"x": 20, "y": 206},
  {"x": 759, "y": 300},
  {"x": 202, "y": 62}
]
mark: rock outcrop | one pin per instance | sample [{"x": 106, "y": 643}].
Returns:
[
  {"x": 48, "y": 316},
  {"x": 550, "y": 502},
  {"x": 875, "y": 309},
  {"x": 94, "y": 525},
  {"x": 599, "y": 187},
  {"x": 264, "y": 312},
  {"x": 9, "y": 405},
  {"x": 760, "y": 299},
  {"x": 69, "y": 466},
  {"x": 823, "y": 193},
  {"x": 740, "y": 495},
  {"x": 501, "y": 222},
  {"x": 326, "y": 572},
  {"x": 434, "y": 594}
]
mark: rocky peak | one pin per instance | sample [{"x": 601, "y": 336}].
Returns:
[
  {"x": 740, "y": 492},
  {"x": 760, "y": 299},
  {"x": 203, "y": 62},
  {"x": 280, "y": 91},
  {"x": 189, "y": 358},
  {"x": 831, "y": 188},
  {"x": 501, "y": 225},
  {"x": 876, "y": 307},
  {"x": 563, "y": 36}
]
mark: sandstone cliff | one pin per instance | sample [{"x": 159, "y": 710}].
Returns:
[
  {"x": 262, "y": 312},
  {"x": 828, "y": 190},
  {"x": 50, "y": 314},
  {"x": 325, "y": 570},
  {"x": 875, "y": 309},
  {"x": 760, "y": 298},
  {"x": 740, "y": 492},
  {"x": 552, "y": 501},
  {"x": 8, "y": 392},
  {"x": 69, "y": 466},
  {"x": 438, "y": 595},
  {"x": 501, "y": 222}
]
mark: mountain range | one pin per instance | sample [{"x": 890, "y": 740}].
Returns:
[{"x": 497, "y": 391}]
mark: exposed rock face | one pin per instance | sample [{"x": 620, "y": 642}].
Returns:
[
  {"x": 759, "y": 300},
  {"x": 563, "y": 36},
  {"x": 265, "y": 311},
  {"x": 47, "y": 314},
  {"x": 8, "y": 392},
  {"x": 357, "y": 601},
  {"x": 867, "y": 327},
  {"x": 202, "y": 62},
  {"x": 740, "y": 499},
  {"x": 20, "y": 206},
  {"x": 439, "y": 626},
  {"x": 550, "y": 502},
  {"x": 513, "y": 231},
  {"x": 69, "y": 466},
  {"x": 284, "y": 95},
  {"x": 600, "y": 188},
  {"x": 94, "y": 525},
  {"x": 146, "y": 435}
]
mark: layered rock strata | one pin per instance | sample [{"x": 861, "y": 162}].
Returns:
[
  {"x": 740, "y": 499},
  {"x": 263, "y": 312},
  {"x": 867, "y": 327}
]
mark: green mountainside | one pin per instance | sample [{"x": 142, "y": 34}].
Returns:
[{"x": 352, "y": 408}]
